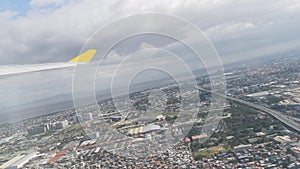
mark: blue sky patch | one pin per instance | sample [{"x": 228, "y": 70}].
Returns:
[{"x": 21, "y": 6}]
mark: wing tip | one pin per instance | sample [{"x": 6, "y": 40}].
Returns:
[{"x": 85, "y": 57}]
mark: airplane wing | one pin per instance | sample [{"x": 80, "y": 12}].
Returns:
[{"x": 18, "y": 69}]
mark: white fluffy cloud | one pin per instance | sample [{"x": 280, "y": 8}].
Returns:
[{"x": 57, "y": 34}]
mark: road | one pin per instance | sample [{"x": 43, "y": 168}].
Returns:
[
  {"x": 284, "y": 119},
  {"x": 279, "y": 116}
]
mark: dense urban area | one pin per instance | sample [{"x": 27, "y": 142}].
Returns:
[{"x": 258, "y": 128}]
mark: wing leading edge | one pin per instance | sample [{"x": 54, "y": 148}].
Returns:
[{"x": 85, "y": 57}]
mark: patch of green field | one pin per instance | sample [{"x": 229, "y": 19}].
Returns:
[
  {"x": 170, "y": 113},
  {"x": 210, "y": 152}
]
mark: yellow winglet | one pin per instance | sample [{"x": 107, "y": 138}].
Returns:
[{"x": 85, "y": 57}]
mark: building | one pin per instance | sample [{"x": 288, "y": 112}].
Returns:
[
  {"x": 242, "y": 147},
  {"x": 230, "y": 137},
  {"x": 160, "y": 117},
  {"x": 143, "y": 130},
  {"x": 296, "y": 151},
  {"x": 36, "y": 130},
  {"x": 61, "y": 124},
  {"x": 87, "y": 117},
  {"x": 198, "y": 137},
  {"x": 283, "y": 139},
  {"x": 93, "y": 135},
  {"x": 19, "y": 161}
]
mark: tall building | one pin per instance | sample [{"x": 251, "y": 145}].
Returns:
[
  {"x": 61, "y": 124},
  {"x": 36, "y": 130}
]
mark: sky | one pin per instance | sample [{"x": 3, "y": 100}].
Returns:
[
  {"x": 45, "y": 31},
  {"x": 41, "y": 31}
]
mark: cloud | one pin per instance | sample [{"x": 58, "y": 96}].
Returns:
[
  {"x": 230, "y": 28},
  {"x": 58, "y": 34},
  {"x": 45, "y": 3},
  {"x": 113, "y": 57},
  {"x": 7, "y": 15},
  {"x": 239, "y": 29},
  {"x": 146, "y": 45}
]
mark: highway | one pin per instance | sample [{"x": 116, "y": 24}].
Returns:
[
  {"x": 284, "y": 119},
  {"x": 279, "y": 116}
]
